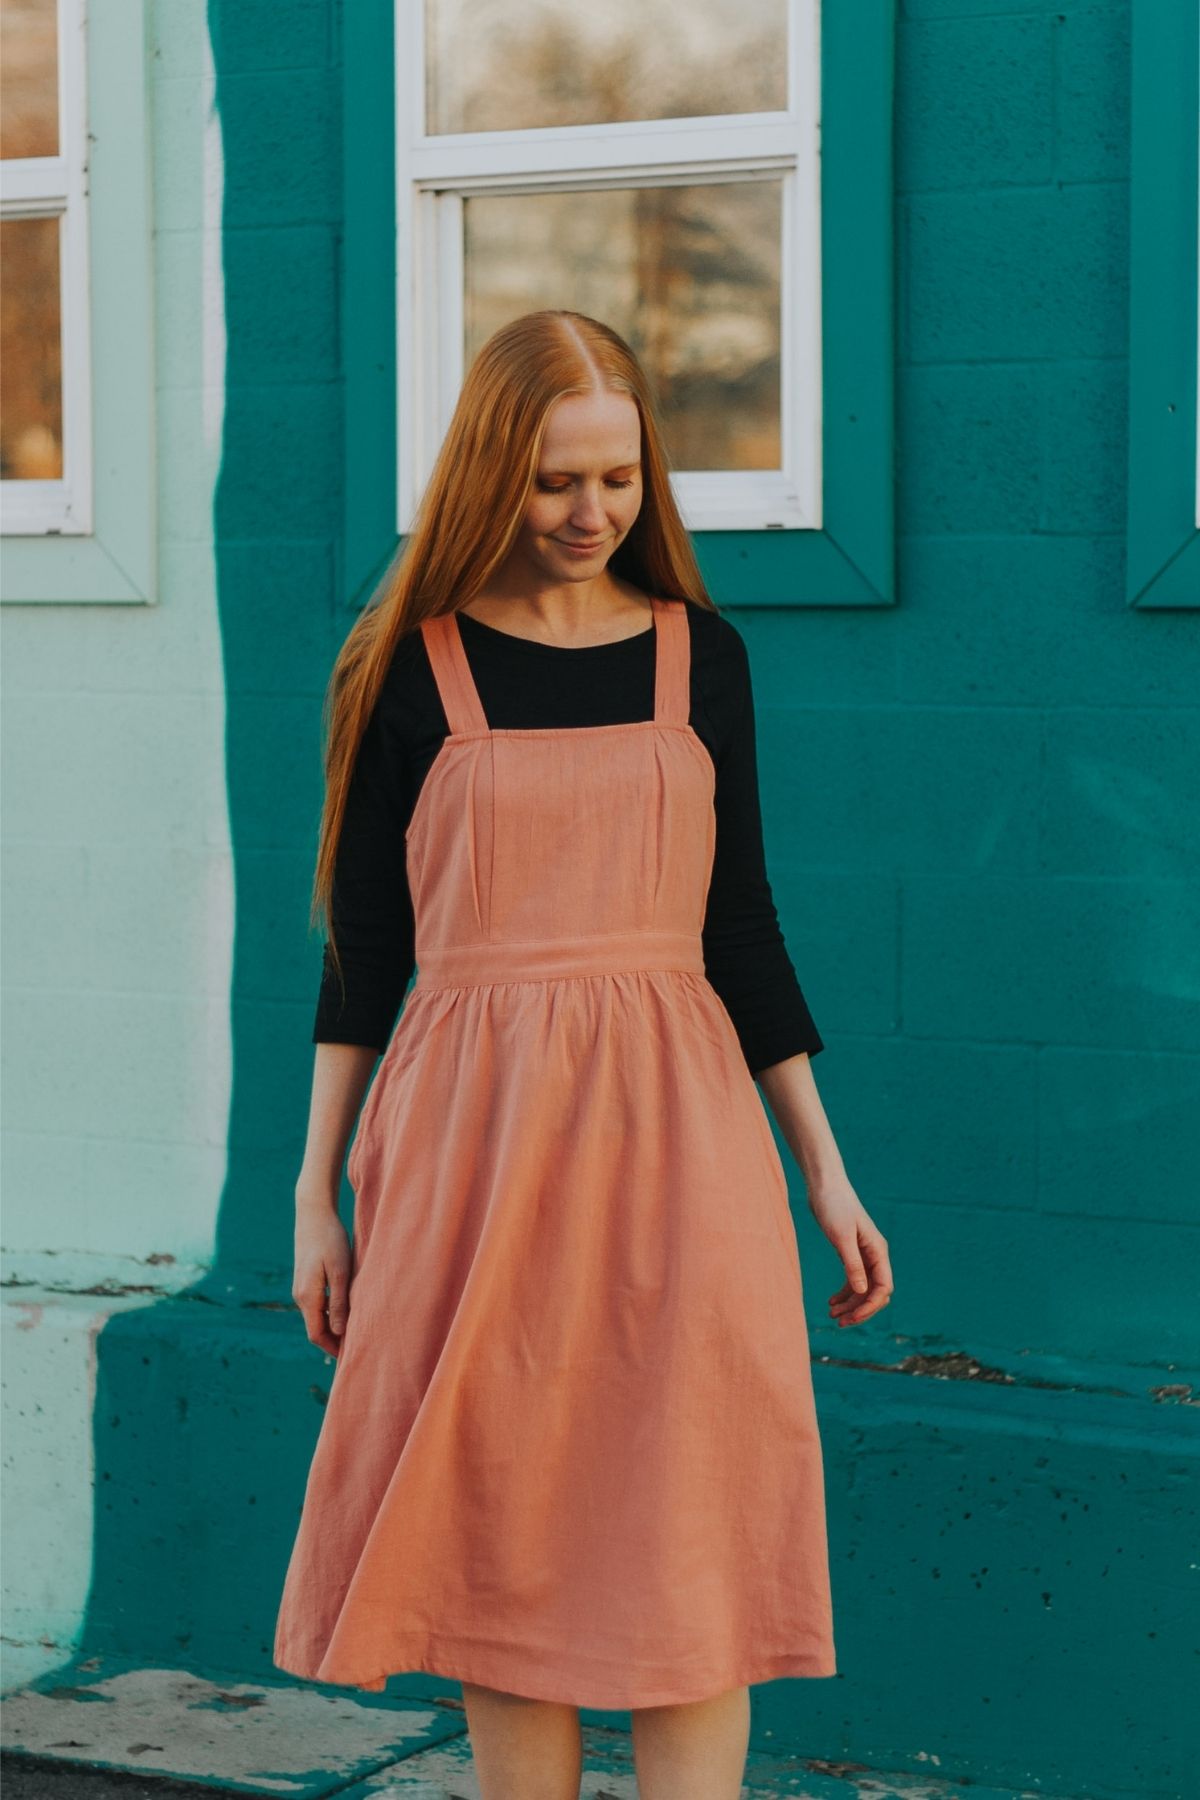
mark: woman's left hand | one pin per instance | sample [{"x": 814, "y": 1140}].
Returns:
[
  {"x": 792, "y": 1095},
  {"x": 862, "y": 1247}
]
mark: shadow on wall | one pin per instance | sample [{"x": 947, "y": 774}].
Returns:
[{"x": 208, "y": 1405}]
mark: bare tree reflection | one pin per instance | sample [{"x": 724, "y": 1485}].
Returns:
[
  {"x": 30, "y": 305},
  {"x": 690, "y": 274}
]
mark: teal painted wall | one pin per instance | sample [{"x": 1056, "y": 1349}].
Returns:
[
  {"x": 978, "y": 803},
  {"x": 977, "y": 828}
]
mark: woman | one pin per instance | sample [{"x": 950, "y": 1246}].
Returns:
[{"x": 570, "y": 1456}]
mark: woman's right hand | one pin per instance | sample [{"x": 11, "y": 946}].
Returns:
[
  {"x": 323, "y": 1262},
  {"x": 341, "y": 1075}
]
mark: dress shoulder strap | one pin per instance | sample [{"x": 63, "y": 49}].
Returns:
[
  {"x": 452, "y": 672},
  {"x": 672, "y": 662}
]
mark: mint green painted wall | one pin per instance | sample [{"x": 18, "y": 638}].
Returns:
[
  {"x": 975, "y": 807},
  {"x": 118, "y": 902},
  {"x": 118, "y": 873}
]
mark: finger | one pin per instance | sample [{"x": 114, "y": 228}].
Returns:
[
  {"x": 874, "y": 1302},
  {"x": 857, "y": 1318},
  {"x": 847, "y": 1297},
  {"x": 316, "y": 1324},
  {"x": 875, "y": 1253},
  {"x": 856, "y": 1275},
  {"x": 338, "y": 1309},
  {"x": 878, "y": 1265},
  {"x": 320, "y": 1333}
]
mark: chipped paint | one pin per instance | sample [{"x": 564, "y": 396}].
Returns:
[
  {"x": 304, "y": 1743},
  {"x": 271, "y": 1740},
  {"x": 965, "y": 1365}
]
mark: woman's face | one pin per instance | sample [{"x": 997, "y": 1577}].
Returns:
[{"x": 588, "y": 488}]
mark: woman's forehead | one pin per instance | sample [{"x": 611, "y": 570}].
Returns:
[{"x": 592, "y": 431}]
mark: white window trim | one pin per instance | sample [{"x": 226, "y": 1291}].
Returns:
[
  {"x": 56, "y": 187},
  {"x": 434, "y": 175},
  {"x": 113, "y": 559}
]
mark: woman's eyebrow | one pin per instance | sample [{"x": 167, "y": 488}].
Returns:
[{"x": 615, "y": 470}]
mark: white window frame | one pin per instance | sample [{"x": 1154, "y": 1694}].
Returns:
[
  {"x": 434, "y": 175},
  {"x": 108, "y": 554},
  {"x": 39, "y": 187}
]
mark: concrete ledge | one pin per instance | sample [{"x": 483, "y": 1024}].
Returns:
[
  {"x": 251, "y": 1738},
  {"x": 1011, "y": 1548}
]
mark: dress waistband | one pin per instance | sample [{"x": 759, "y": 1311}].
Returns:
[{"x": 556, "y": 959}]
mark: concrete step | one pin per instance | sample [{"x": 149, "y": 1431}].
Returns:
[{"x": 301, "y": 1743}]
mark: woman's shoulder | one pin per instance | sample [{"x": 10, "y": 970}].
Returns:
[
  {"x": 710, "y": 625},
  {"x": 407, "y": 694},
  {"x": 718, "y": 647},
  {"x": 409, "y": 675}
]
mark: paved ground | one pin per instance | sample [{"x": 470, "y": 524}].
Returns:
[
  {"x": 98, "y": 1731},
  {"x": 22, "y": 1779}
]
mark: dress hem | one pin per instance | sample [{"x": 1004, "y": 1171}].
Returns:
[{"x": 504, "y": 1674}]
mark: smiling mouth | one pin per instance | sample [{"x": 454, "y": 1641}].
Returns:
[{"x": 570, "y": 546}]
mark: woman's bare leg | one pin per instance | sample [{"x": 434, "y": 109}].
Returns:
[
  {"x": 523, "y": 1749},
  {"x": 698, "y": 1749}
]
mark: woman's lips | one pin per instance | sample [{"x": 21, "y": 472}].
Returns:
[{"x": 584, "y": 549}]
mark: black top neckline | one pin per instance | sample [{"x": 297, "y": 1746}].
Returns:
[{"x": 525, "y": 643}]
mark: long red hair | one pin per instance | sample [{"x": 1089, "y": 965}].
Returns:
[{"x": 469, "y": 516}]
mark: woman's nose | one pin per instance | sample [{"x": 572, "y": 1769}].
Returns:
[{"x": 589, "y": 512}]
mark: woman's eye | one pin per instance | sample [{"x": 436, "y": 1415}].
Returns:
[{"x": 548, "y": 487}]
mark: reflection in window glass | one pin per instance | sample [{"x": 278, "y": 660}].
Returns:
[
  {"x": 31, "y": 429},
  {"x": 28, "y": 78},
  {"x": 492, "y": 66},
  {"x": 689, "y": 276}
]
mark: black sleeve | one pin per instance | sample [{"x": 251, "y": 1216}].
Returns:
[
  {"x": 371, "y": 907},
  {"x": 745, "y": 956}
]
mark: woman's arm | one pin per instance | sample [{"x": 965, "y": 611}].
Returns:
[
  {"x": 371, "y": 911},
  {"x": 749, "y": 965},
  {"x": 745, "y": 957},
  {"x": 373, "y": 926},
  {"x": 341, "y": 1076},
  {"x": 791, "y": 1092},
  {"x": 790, "y": 1089},
  {"x": 321, "y": 1281}
]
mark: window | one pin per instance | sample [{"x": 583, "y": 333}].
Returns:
[
  {"x": 44, "y": 377},
  {"x": 715, "y": 180},
  {"x": 654, "y": 166},
  {"x": 77, "y": 431}
]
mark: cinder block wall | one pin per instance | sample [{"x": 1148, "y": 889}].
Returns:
[
  {"x": 119, "y": 903},
  {"x": 978, "y": 801}
]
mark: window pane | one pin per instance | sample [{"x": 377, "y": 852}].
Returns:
[
  {"x": 28, "y": 78},
  {"x": 493, "y": 66},
  {"x": 689, "y": 276},
  {"x": 30, "y": 351}
]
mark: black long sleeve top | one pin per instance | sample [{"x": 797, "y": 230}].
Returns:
[{"x": 526, "y": 684}]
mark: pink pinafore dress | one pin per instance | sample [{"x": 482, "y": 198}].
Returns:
[{"x": 570, "y": 1447}]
